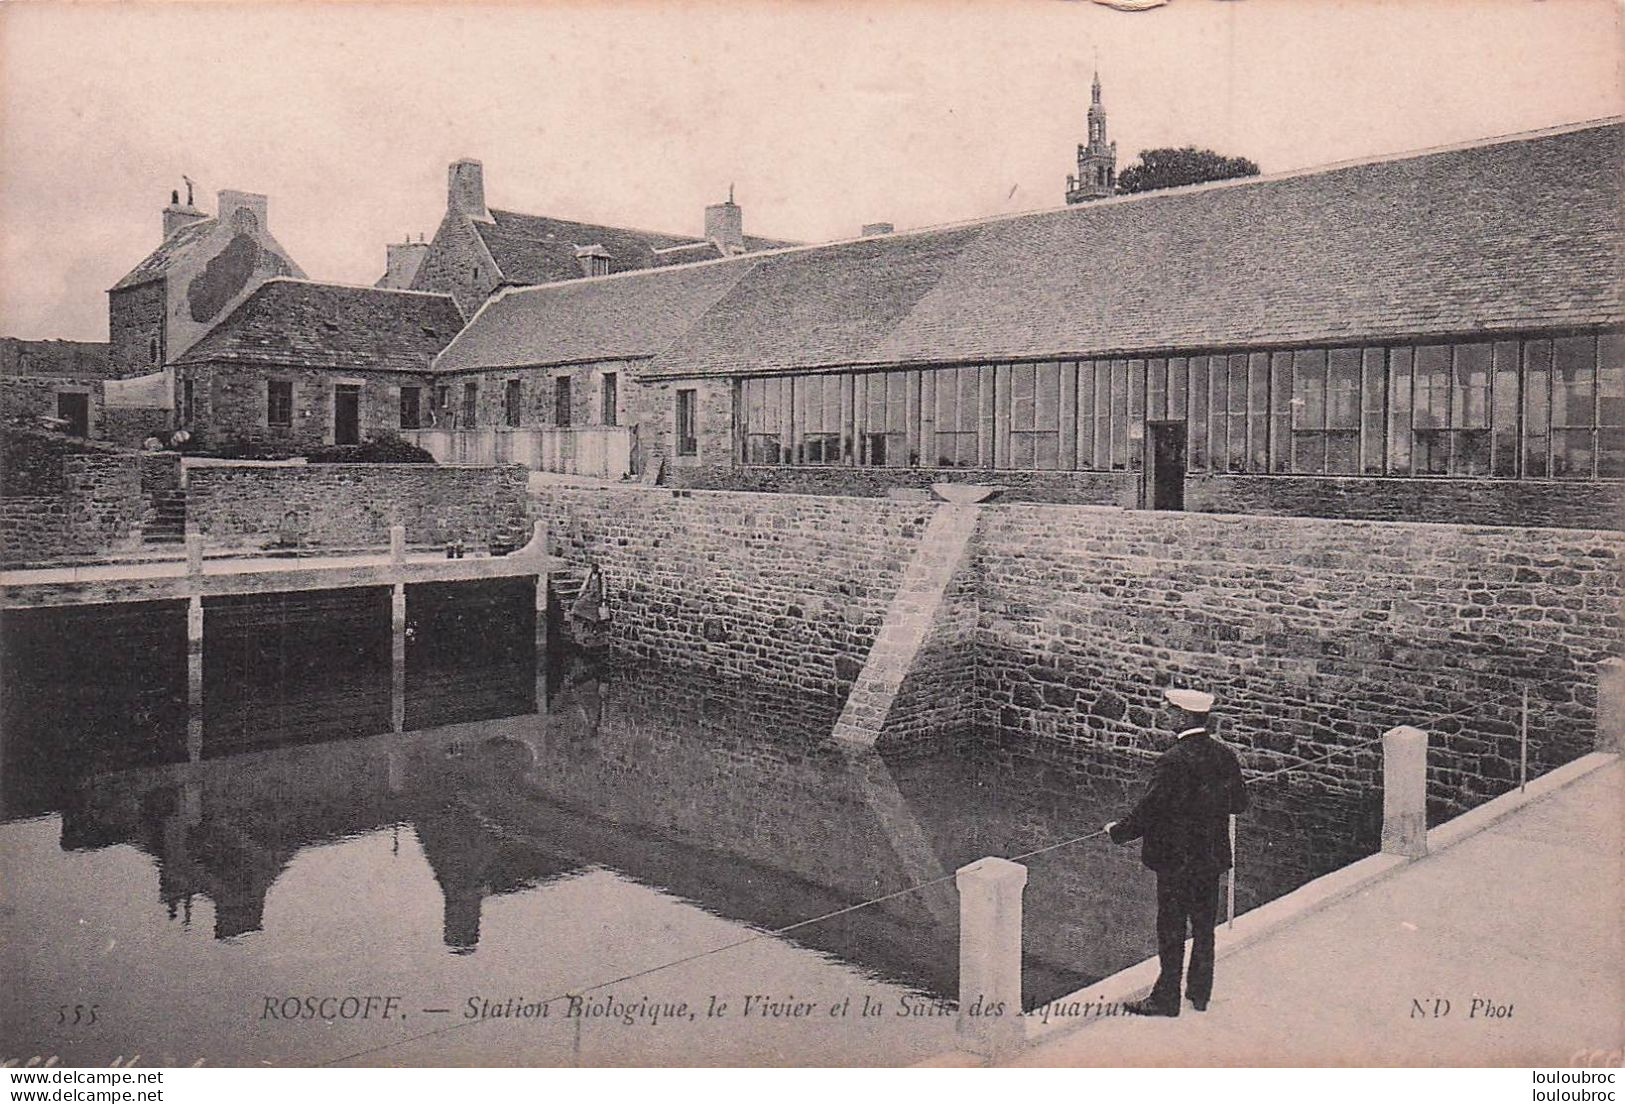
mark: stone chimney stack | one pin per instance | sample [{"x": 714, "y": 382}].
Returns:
[
  {"x": 725, "y": 225},
  {"x": 874, "y": 229},
  {"x": 246, "y": 211},
  {"x": 404, "y": 259},
  {"x": 465, "y": 190},
  {"x": 179, "y": 214}
]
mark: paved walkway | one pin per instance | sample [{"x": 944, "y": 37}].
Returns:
[{"x": 1526, "y": 914}]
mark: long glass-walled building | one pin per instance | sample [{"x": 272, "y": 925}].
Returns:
[{"x": 1534, "y": 407}]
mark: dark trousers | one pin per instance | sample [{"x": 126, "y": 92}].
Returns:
[{"x": 1185, "y": 899}]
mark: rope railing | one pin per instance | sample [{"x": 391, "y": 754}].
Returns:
[{"x": 785, "y": 929}]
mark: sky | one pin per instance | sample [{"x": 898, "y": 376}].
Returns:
[{"x": 822, "y": 115}]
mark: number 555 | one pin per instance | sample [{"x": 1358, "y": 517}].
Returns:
[{"x": 80, "y": 1014}]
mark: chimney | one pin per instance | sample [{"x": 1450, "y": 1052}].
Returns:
[
  {"x": 404, "y": 259},
  {"x": 244, "y": 211},
  {"x": 875, "y": 229},
  {"x": 179, "y": 214},
  {"x": 725, "y": 225},
  {"x": 465, "y": 190}
]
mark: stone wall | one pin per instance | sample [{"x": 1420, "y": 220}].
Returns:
[
  {"x": 1314, "y": 634},
  {"x": 783, "y": 590},
  {"x": 1563, "y": 503},
  {"x": 64, "y": 498},
  {"x": 537, "y": 388},
  {"x": 28, "y": 396},
  {"x": 231, "y": 404},
  {"x": 135, "y": 321},
  {"x": 652, "y": 407},
  {"x": 353, "y": 505},
  {"x": 1084, "y": 488}
]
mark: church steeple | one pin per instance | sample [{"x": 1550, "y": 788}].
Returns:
[{"x": 1097, "y": 161}]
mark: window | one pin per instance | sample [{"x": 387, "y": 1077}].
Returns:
[
  {"x": 513, "y": 403},
  {"x": 956, "y": 415},
  {"x": 1197, "y": 423},
  {"x": 609, "y": 412},
  {"x": 688, "y": 440},
  {"x": 561, "y": 401},
  {"x": 1035, "y": 417},
  {"x": 599, "y": 265},
  {"x": 763, "y": 411},
  {"x": 279, "y": 402},
  {"x": 1574, "y": 406},
  {"x": 471, "y": 404},
  {"x": 188, "y": 404},
  {"x": 1611, "y": 406},
  {"x": 1450, "y": 409},
  {"x": 884, "y": 404},
  {"x": 442, "y": 398},
  {"x": 817, "y": 419},
  {"x": 411, "y": 408}
]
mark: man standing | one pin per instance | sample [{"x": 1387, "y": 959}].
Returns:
[{"x": 1184, "y": 819}]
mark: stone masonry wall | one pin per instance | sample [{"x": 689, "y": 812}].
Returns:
[
  {"x": 231, "y": 404},
  {"x": 1313, "y": 634},
  {"x": 783, "y": 590},
  {"x": 1565, "y": 503},
  {"x": 354, "y": 505},
  {"x": 1087, "y": 488},
  {"x": 64, "y": 498}
]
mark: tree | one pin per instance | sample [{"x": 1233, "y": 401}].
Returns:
[{"x": 1171, "y": 168}]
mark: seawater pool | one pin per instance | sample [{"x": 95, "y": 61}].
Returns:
[{"x": 583, "y": 867}]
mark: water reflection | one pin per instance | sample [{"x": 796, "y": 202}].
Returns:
[{"x": 723, "y": 799}]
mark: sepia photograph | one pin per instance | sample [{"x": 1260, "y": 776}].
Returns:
[{"x": 933, "y": 533}]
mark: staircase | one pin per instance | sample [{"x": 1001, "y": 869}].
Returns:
[
  {"x": 908, "y": 622},
  {"x": 168, "y": 524}
]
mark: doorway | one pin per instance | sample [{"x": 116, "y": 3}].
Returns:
[
  {"x": 1166, "y": 470},
  {"x": 346, "y": 414},
  {"x": 74, "y": 406}
]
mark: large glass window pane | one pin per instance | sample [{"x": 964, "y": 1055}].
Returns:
[
  {"x": 1086, "y": 414},
  {"x": 1119, "y": 415},
  {"x": 1574, "y": 382},
  {"x": 1236, "y": 421},
  {"x": 1021, "y": 396},
  {"x": 1373, "y": 418},
  {"x": 1309, "y": 411},
  {"x": 1258, "y": 412},
  {"x": 1504, "y": 410},
  {"x": 1470, "y": 410},
  {"x": 1218, "y": 411},
  {"x": 1430, "y": 414},
  {"x": 1280, "y": 412},
  {"x": 1399, "y": 411},
  {"x": 1136, "y": 414},
  {"x": 1343, "y": 367},
  {"x": 1611, "y": 406},
  {"x": 1537, "y": 409},
  {"x": 1156, "y": 389},
  {"x": 1178, "y": 374},
  {"x": 1198, "y": 414}
]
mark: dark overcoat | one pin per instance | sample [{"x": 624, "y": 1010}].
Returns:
[{"x": 1185, "y": 816}]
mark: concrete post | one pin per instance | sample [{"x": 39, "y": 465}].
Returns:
[
  {"x": 194, "y": 675},
  {"x": 194, "y": 553},
  {"x": 397, "y": 649},
  {"x": 1405, "y": 792},
  {"x": 397, "y": 544},
  {"x": 1611, "y": 706},
  {"x": 990, "y": 955}
]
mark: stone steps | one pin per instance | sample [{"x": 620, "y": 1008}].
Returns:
[{"x": 908, "y": 621}]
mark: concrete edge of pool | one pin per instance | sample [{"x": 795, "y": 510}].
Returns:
[{"x": 1274, "y": 917}]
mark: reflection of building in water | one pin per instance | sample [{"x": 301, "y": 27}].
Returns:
[{"x": 713, "y": 793}]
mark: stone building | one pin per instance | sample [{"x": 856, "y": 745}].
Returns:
[
  {"x": 1432, "y": 336},
  {"x": 203, "y": 268},
  {"x": 479, "y": 249},
  {"x": 1097, "y": 160},
  {"x": 300, "y": 364}
]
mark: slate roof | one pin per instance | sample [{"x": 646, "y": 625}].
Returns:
[
  {"x": 534, "y": 249},
  {"x": 626, "y": 316},
  {"x": 156, "y": 264},
  {"x": 1523, "y": 231},
  {"x": 299, "y": 323}
]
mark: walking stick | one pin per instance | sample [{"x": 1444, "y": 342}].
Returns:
[{"x": 1231, "y": 893}]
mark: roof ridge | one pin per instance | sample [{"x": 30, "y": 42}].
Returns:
[
  {"x": 350, "y": 287},
  {"x": 600, "y": 225}
]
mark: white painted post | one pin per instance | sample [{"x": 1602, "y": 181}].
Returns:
[
  {"x": 397, "y": 657},
  {"x": 194, "y": 553},
  {"x": 990, "y": 955},
  {"x": 397, "y": 544},
  {"x": 1611, "y": 706},
  {"x": 1405, "y": 792}
]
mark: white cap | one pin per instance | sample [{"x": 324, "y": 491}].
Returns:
[{"x": 1191, "y": 701}]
